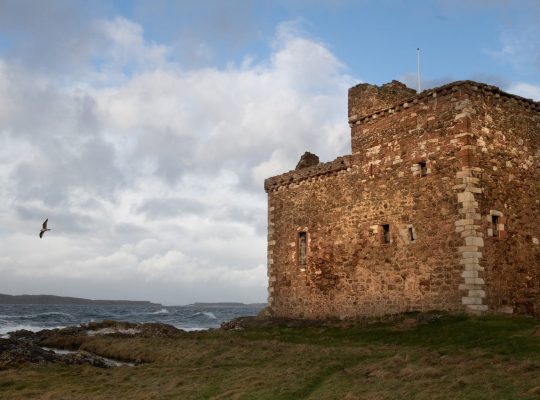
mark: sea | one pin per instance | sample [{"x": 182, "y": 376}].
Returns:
[{"x": 36, "y": 317}]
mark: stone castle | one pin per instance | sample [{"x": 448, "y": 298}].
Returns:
[{"x": 436, "y": 208}]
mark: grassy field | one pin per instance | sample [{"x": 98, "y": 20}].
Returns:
[{"x": 407, "y": 357}]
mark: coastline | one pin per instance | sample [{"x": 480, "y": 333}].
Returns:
[
  {"x": 423, "y": 356},
  {"x": 46, "y": 299},
  {"x": 189, "y": 318}
]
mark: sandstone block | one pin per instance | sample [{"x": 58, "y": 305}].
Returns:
[
  {"x": 469, "y": 261},
  {"x": 468, "y": 286},
  {"x": 470, "y": 204},
  {"x": 471, "y": 254},
  {"x": 463, "y": 249},
  {"x": 477, "y": 293},
  {"x": 477, "y": 307},
  {"x": 469, "y": 274},
  {"x": 473, "y": 281},
  {"x": 474, "y": 241},
  {"x": 471, "y": 300},
  {"x": 465, "y": 197},
  {"x": 473, "y": 267}
]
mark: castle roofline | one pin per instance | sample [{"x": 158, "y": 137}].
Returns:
[
  {"x": 299, "y": 175},
  {"x": 433, "y": 92}
]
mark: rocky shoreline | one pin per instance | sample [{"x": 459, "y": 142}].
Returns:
[
  {"x": 64, "y": 345},
  {"x": 70, "y": 345}
]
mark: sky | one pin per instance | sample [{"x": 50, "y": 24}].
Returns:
[{"x": 143, "y": 130}]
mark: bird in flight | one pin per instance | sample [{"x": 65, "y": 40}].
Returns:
[{"x": 44, "y": 229}]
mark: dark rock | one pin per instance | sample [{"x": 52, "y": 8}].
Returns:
[
  {"x": 15, "y": 353},
  {"x": 307, "y": 160},
  {"x": 25, "y": 346}
]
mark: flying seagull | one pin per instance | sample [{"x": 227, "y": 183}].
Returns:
[{"x": 44, "y": 229}]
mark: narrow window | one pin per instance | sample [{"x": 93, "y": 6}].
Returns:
[
  {"x": 302, "y": 248},
  {"x": 423, "y": 168},
  {"x": 371, "y": 170},
  {"x": 386, "y": 233},
  {"x": 412, "y": 236},
  {"x": 495, "y": 219}
]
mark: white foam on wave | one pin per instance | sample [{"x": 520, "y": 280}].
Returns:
[
  {"x": 31, "y": 316},
  {"x": 107, "y": 331},
  {"x": 208, "y": 314},
  {"x": 191, "y": 329},
  {"x": 33, "y": 328},
  {"x": 55, "y": 313},
  {"x": 162, "y": 311}
]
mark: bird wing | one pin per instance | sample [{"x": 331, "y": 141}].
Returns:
[
  {"x": 45, "y": 224},
  {"x": 41, "y": 234}
]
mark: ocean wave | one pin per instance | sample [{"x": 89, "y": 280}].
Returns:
[
  {"x": 162, "y": 311},
  {"x": 6, "y": 329},
  {"x": 205, "y": 313},
  {"x": 191, "y": 328},
  {"x": 55, "y": 313},
  {"x": 158, "y": 312},
  {"x": 38, "y": 315}
]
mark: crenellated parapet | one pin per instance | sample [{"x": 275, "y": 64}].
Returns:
[
  {"x": 356, "y": 118},
  {"x": 299, "y": 175}
]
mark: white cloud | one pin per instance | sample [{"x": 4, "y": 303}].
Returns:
[
  {"x": 155, "y": 178},
  {"x": 524, "y": 89},
  {"x": 125, "y": 50},
  {"x": 276, "y": 165},
  {"x": 520, "y": 48}
]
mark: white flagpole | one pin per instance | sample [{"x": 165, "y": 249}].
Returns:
[{"x": 418, "y": 67}]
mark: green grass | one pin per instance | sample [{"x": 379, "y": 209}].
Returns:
[{"x": 454, "y": 357}]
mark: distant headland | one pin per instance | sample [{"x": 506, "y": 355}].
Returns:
[{"x": 50, "y": 299}]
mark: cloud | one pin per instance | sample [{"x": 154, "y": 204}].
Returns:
[
  {"x": 151, "y": 173},
  {"x": 527, "y": 90},
  {"x": 124, "y": 50},
  {"x": 520, "y": 48},
  {"x": 49, "y": 36}
]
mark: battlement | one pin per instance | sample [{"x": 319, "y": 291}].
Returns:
[
  {"x": 298, "y": 175},
  {"x": 364, "y": 99},
  {"x": 404, "y": 103}
]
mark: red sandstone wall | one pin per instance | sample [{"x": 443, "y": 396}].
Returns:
[
  {"x": 482, "y": 152},
  {"x": 507, "y": 148},
  {"x": 364, "y": 98},
  {"x": 349, "y": 272}
]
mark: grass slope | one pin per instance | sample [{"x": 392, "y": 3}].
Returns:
[{"x": 405, "y": 357}]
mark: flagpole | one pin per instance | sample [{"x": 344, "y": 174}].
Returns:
[{"x": 418, "y": 67}]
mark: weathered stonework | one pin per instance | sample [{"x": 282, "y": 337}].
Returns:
[{"x": 437, "y": 207}]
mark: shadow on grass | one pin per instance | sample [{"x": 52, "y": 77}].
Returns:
[{"x": 512, "y": 336}]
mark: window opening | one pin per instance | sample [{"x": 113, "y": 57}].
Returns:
[
  {"x": 302, "y": 248},
  {"x": 412, "y": 236},
  {"x": 386, "y": 233},
  {"x": 495, "y": 219},
  {"x": 371, "y": 170},
  {"x": 423, "y": 168}
]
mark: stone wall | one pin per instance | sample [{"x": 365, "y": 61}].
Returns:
[
  {"x": 364, "y": 98},
  {"x": 506, "y": 145},
  {"x": 416, "y": 180}
]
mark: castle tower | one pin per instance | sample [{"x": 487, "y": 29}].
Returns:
[{"x": 437, "y": 207}]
